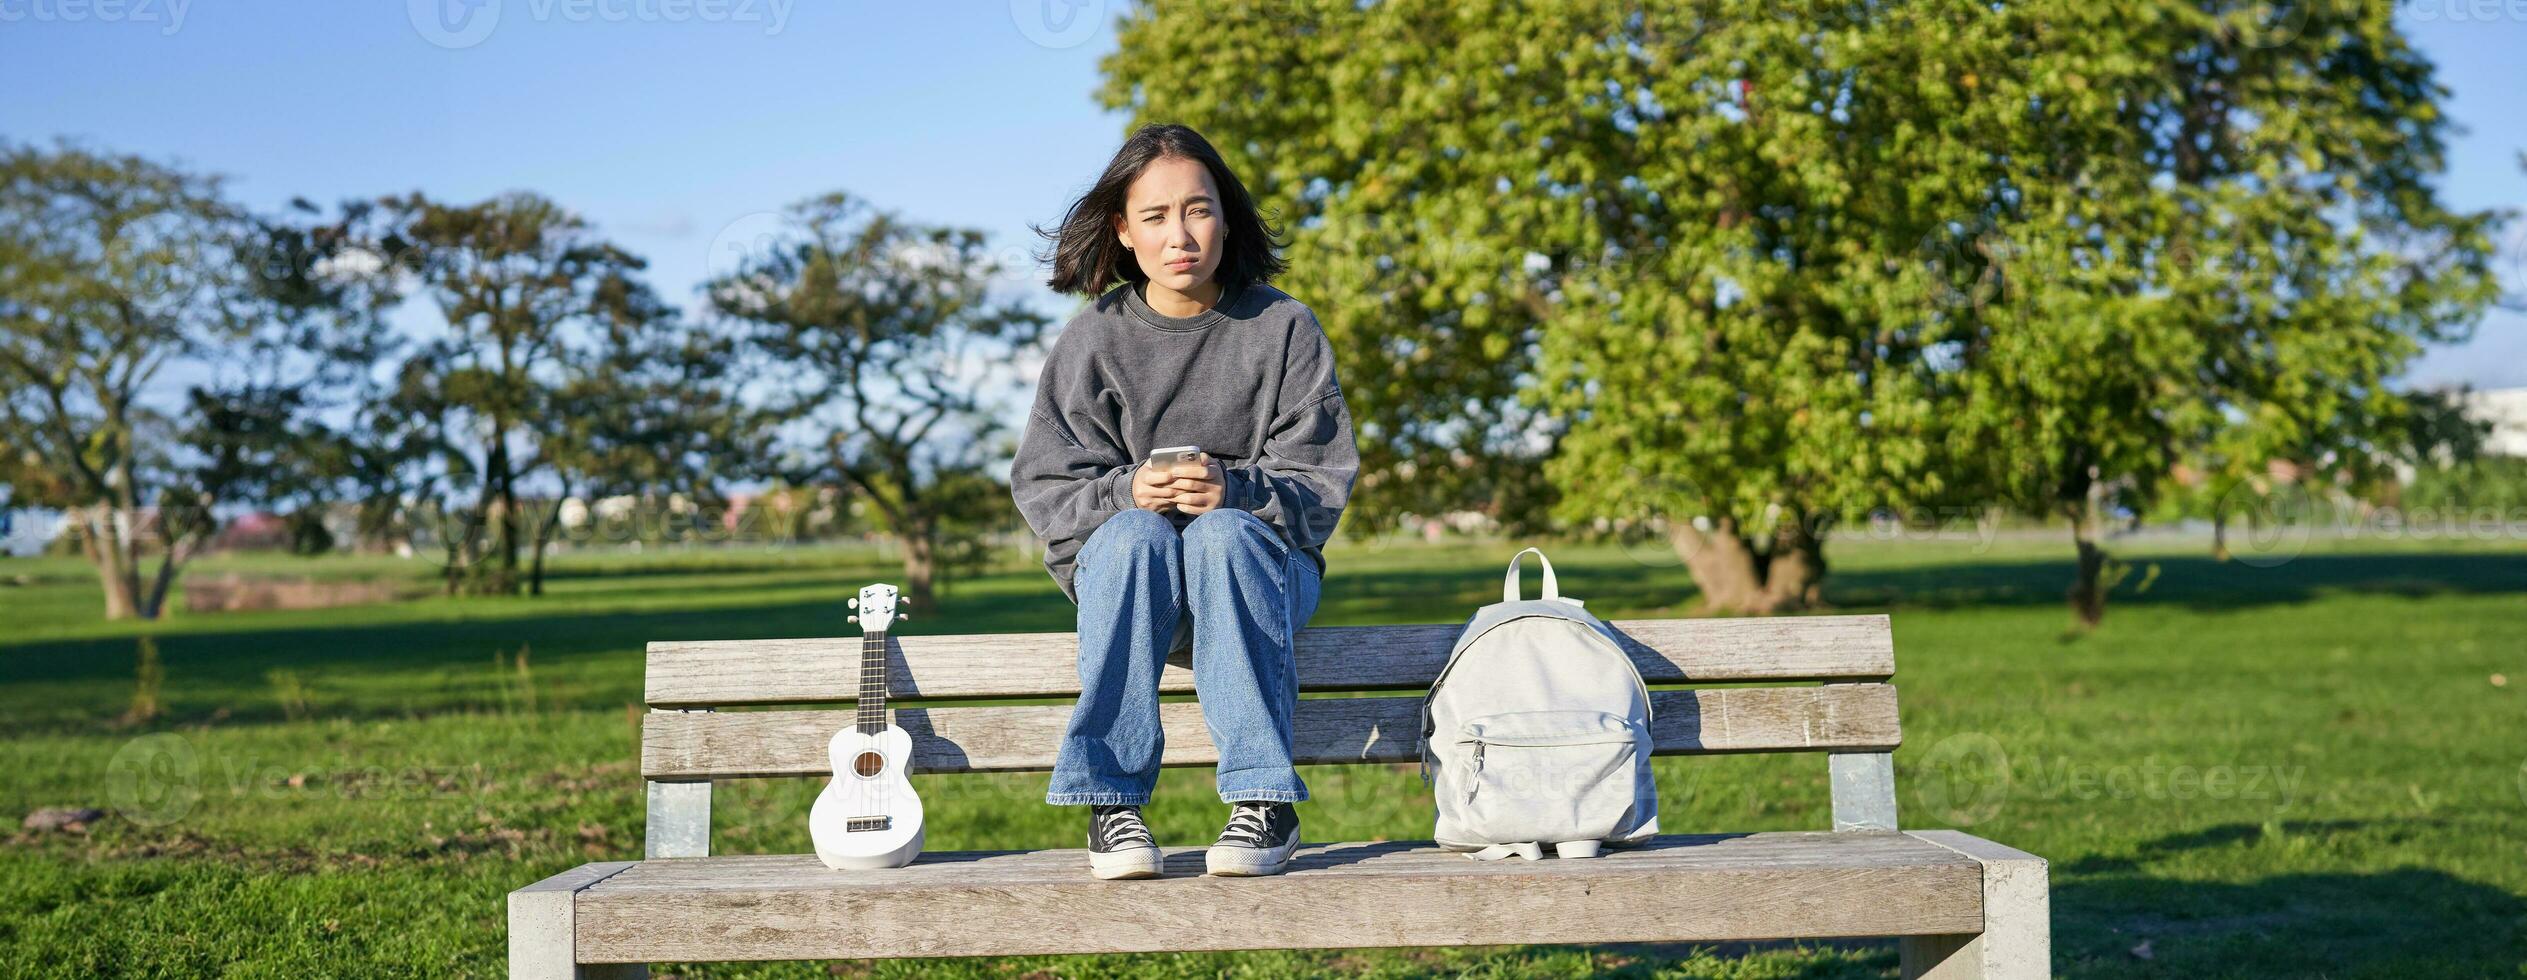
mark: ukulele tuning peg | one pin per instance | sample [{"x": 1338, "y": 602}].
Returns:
[
  {"x": 853, "y": 602},
  {"x": 851, "y": 619}
]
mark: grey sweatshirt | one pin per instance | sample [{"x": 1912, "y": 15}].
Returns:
[{"x": 1250, "y": 380}]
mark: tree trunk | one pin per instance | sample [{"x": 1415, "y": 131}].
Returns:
[
  {"x": 457, "y": 547},
  {"x": 156, "y": 602},
  {"x": 543, "y": 536},
  {"x": 1723, "y": 566},
  {"x": 500, "y": 504},
  {"x": 508, "y": 584},
  {"x": 2088, "y": 590},
  {"x": 921, "y": 564},
  {"x": 2219, "y": 534},
  {"x": 1794, "y": 576},
  {"x": 103, "y": 542}
]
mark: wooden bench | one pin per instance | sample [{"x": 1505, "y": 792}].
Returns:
[{"x": 1964, "y": 906}]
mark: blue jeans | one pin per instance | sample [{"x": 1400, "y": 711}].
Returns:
[{"x": 1247, "y": 594}]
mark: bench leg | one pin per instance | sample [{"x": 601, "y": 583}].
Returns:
[
  {"x": 544, "y": 929},
  {"x": 679, "y": 820},
  {"x": 2017, "y": 936},
  {"x": 679, "y": 814},
  {"x": 1864, "y": 790}
]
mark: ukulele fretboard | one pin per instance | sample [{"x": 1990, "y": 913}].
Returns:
[{"x": 872, "y": 718}]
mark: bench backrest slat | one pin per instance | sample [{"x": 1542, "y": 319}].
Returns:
[
  {"x": 727, "y": 673},
  {"x": 691, "y": 746}
]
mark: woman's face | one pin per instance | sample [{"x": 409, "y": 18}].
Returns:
[{"x": 1171, "y": 222}]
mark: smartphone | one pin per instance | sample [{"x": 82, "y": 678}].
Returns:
[{"x": 1168, "y": 458}]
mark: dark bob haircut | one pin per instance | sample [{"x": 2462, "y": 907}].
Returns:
[{"x": 1086, "y": 258}]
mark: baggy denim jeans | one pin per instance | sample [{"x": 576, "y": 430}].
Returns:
[{"x": 1247, "y": 594}]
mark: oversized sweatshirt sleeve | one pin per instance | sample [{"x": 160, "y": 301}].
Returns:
[
  {"x": 1301, "y": 480},
  {"x": 1069, "y": 475}
]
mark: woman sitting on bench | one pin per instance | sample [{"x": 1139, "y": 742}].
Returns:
[{"x": 1219, "y": 558}]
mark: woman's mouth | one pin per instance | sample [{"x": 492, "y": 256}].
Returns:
[{"x": 1181, "y": 265}]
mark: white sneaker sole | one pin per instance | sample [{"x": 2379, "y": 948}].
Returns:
[
  {"x": 1136, "y": 862},
  {"x": 1231, "y": 861}
]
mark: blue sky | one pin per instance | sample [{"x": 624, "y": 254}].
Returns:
[{"x": 675, "y": 124}]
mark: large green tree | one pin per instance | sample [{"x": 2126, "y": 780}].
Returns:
[
  {"x": 2220, "y": 235},
  {"x": 1765, "y": 268},
  {"x": 1667, "y": 228}
]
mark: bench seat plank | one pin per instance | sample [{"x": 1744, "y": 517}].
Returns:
[
  {"x": 723, "y": 673},
  {"x": 678, "y": 746},
  {"x": 1677, "y": 888}
]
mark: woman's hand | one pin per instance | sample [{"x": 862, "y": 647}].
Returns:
[
  {"x": 1152, "y": 489},
  {"x": 1199, "y": 491},
  {"x": 1182, "y": 489}
]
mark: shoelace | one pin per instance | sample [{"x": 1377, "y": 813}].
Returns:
[
  {"x": 1247, "y": 824},
  {"x": 1124, "y": 824}
]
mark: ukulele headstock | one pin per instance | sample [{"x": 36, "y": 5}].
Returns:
[{"x": 876, "y": 608}]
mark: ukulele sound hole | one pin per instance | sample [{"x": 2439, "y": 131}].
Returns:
[{"x": 869, "y": 764}]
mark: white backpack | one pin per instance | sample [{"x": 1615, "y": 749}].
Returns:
[{"x": 1537, "y": 731}]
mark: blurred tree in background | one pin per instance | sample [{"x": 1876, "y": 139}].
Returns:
[
  {"x": 115, "y": 272},
  {"x": 527, "y": 290},
  {"x": 652, "y": 414},
  {"x": 871, "y": 335},
  {"x": 110, "y": 269}
]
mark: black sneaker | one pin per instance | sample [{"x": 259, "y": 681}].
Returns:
[
  {"x": 1259, "y": 839},
  {"x": 1119, "y": 844}
]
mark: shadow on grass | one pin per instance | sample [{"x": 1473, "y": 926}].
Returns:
[
  {"x": 2227, "y": 835},
  {"x": 2193, "y": 582},
  {"x": 2408, "y": 921}
]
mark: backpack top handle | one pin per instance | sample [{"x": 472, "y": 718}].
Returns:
[{"x": 1509, "y": 582}]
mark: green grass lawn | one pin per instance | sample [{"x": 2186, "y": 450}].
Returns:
[{"x": 2304, "y": 770}]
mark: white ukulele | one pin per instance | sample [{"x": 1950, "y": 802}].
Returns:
[{"x": 868, "y": 816}]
